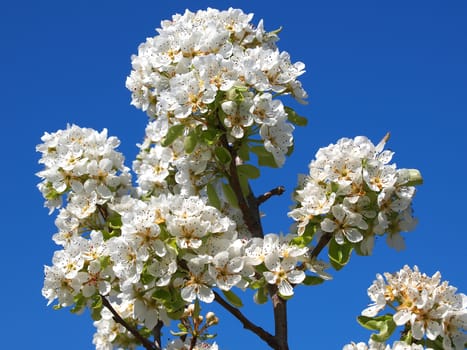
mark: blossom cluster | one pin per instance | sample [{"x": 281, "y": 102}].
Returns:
[
  {"x": 149, "y": 255},
  {"x": 425, "y": 305},
  {"x": 214, "y": 68},
  {"x": 170, "y": 169},
  {"x": 353, "y": 193},
  {"x": 372, "y": 345},
  {"x": 85, "y": 161}
]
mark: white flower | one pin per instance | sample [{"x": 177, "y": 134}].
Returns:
[
  {"x": 198, "y": 285},
  {"x": 226, "y": 270},
  {"x": 283, "y": 273},
  {"x": 237, "y": 117},
  {"x": 423, "y": 303},
  {"x": 206, "y": 56},
  {"x": 345, "y": 224}
]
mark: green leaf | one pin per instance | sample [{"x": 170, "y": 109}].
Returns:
[
  {"x": 384, "y": 324},
  {"x": 104, "y": 261},
  {"x": 260, "y": 296},
  {"x": 294, "y": 118},
  {"x": 306, "y": 237},
  {"x": 190, "y": 142},
  {"x": 339, "y": 254},
  {"x": 312, "y": 280},
  {"x": 257, "y": 284},
  {"x": 162, "y": 295},
  {"x": 197, "y": 309},
  {"x": 146, "y": 278},
  {"x": 248, "y": 170},
  {"x": 80, "y": 303},
  {"x": 268, "y": 161},
  {"x": 178, "y": 334},
  {"x": 175, "y": 314},
  {"x": 371, "y": 323},
  {"x": 244, "y": 151},
  {"x": 212, "y": 196},
  {"x": 233, "y": 298},
  {"x": 230, "y": 195},
  {"x": 97, "y": 302},
  {"x": 172, "y": 134},
  {"x": 244, "y": 184},
  {"x": 223, "y": 155},
  {"x": 209, "y": 136},
  {"x": 209, "y": 336}
]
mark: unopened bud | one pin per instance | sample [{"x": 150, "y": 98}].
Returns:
[
  {"x": 190, "y": 309},
  {"x": 409, "y": 177}
]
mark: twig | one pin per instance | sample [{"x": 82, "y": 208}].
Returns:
[
  {"x": 253, "y": 224},
  {"x": 117, "y": 318},
  {"x": 280, "y": 318},
  {"x": 323, "y": 241},
  {"x": 274, "y": 192},
  {"x": 156, "y": 332},
  {"x": 247, "y": 324}
]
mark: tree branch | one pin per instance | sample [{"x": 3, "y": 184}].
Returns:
[
  {"x": 323, "y": 241},
  {"x": 248, "y": 208},
  {"x": 274, "y": 192},
  {"x": 117, "y": 318},
  {"x": 156, "y": 332},
  {"x": 280, "y": 318},
  {"x": 247, "y": 324}
]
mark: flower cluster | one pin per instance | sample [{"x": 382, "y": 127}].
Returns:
[
  {"x": 426, "y": 306},
  {"x": 148, "y": 254},
  {"x": 372, "y": 345},
  {"x": 85, "y": 161},
  {"x": 170, "y": 169},
  {"x": 214, "y": 68},
  {"x": 353, "y": 193}
]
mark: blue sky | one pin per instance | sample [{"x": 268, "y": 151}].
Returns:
[{"x": 372, "y": 67}]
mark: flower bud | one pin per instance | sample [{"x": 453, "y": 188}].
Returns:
[{"x": 409, "y": 177}]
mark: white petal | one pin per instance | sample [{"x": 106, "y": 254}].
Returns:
[
  {"x": 418, "y": 330},
  {"x": 270, "y": 277},
  {"x": 402, "y": 317},
  {"x": 433, "y": 330},
  {"x": 205, "y": 294},
  {"x": 296, "y": 276},
  {"x": 328, "y": 225},
  {"x": 285, "y": 288},
  {"x": 188, "y": 294},
  {"x": 353, "y": 235}
]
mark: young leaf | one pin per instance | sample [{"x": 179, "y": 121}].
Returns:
[
  {"x": 244, "y": 151},
  {"x": 260, "y": 296},
  {"x": 212, "y": 196},
  {"x": 312, "y": 280},
  {"x": 384, "y": 324},
  {"x": 339, "y": 254},
  {"x": 190, "y": 142},
  {"x": 248, "y": 170},
  {"x": 294, "y": 118},
  {"x": 230, "y": 195},
  {"x": 233, "y": 298},
  {"x": 223, "y": 155},
  {"x": 172, "y": 134}
]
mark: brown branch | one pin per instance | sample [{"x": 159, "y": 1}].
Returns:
[
  {"x": 280, "y": 318},
  {"x": 274, "y": 192},
  {"x": 323, "y": 241},
  {"x": 248, "y": 208},
  {"x": 247, "y": 324},
  {"x": 117, "y": 318},
  {"x": 156, "y": 332}
]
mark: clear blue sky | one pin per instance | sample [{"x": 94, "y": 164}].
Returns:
[{"x": 372, "y": 67}]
